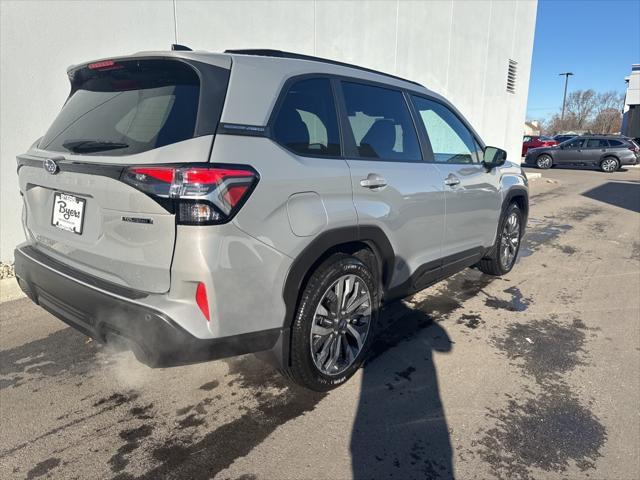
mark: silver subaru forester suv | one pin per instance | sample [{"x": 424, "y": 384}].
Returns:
[{"x": 192, "y": 206}]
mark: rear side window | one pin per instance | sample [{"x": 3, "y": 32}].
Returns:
[
  {"x": 451, "y": 141},
  {"x": 616, "y": 143},
  {"x": 125, "y": 108},
  {"x": 381, "y": 123},
  {"x": 307, "y": 121},
  {"x": 597, "y": 143}
]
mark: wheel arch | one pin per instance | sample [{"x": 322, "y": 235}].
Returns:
[
  {"x": 345, "y": 240},
  {"x": 350, "y": 240},
  {"x": 610, "y": 155},
  {"x": 520, "y": 196}
]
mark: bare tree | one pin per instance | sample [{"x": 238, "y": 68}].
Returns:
[
  {"x": 557, "y": 125},
  {"x": 608, "y": 114},
  {"x": 581, "y": 104},
  {"x": 607, "y": 121},
  {"x": 610, "y": 100},
  {"x": 587, "y": 110}
]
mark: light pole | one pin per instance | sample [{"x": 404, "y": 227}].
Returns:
[{"x": 564, "y": 98}]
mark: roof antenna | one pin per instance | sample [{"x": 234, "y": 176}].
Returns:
[{"x": 177, "y": 46}]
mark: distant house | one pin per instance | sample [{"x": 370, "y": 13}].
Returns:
[
  {"x": 631, "y": 113},
  {"x": 575, "y": 132},
  {"x": 532, "y": 128}
]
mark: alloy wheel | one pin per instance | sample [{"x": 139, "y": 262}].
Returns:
[
  {"x": 509, "y": 240},
  {"x": 340, "y": 325},
  {"x": 544, "y": 161},
  {"x": 609, "y": 165}
]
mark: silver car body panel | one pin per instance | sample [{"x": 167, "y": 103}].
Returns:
[
  {"x": 135, "y": 255},
  {"x": 472, "y": 207},
  {"x": 409, "y": 210}
]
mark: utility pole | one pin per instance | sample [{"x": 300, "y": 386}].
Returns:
[{"x": 564, "y": 98}]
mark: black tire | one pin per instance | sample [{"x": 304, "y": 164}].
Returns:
[
  {"x": 492, "y": 264},
  {"x": 609, "y": 164},
  {"x": 544, "y": 161},
  {"x": 303, "y": 369}
]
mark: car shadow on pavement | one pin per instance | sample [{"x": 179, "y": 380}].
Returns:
[
  {"x": 623, "y": 194},
  {"x": 400, "y": 428}
]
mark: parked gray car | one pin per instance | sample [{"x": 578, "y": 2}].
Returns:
[
  {"x": 193, "y": 206},
  {"x": 606, "y": 152}
]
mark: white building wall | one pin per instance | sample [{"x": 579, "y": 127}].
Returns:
[
  {"x": 632, "y": 96},
  {"x": 458, "y": 48}
]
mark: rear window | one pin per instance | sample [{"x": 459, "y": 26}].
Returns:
[{"x": 125, "y": 108}]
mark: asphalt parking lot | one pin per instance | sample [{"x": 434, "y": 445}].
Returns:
[{"x": 534, "y": 375}]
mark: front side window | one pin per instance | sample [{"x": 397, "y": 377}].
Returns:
[
  {"x": 574, "y": 143},
  {"x": 307, "y": 122},
  {"x": 451, "y": 141},
  {"x": 381, "y": 123}
]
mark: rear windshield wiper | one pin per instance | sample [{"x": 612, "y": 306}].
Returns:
[{"x": 85, "y": 146}]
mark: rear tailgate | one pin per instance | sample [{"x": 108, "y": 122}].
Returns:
[{"x": 121, "y": 113}]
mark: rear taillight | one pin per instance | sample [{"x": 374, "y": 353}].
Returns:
[
  {"x": 634, "y": 149},
  {"x": 199, "y": 195}
]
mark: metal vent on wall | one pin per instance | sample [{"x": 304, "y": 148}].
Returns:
[{"x": 511, "y": 76}]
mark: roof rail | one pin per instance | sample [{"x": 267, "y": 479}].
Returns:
[{"x": 265, "y": 52}]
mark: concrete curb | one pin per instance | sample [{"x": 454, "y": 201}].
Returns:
[
  {"x": 533, "y": 175},
  {"x": 9, "y": 290}
]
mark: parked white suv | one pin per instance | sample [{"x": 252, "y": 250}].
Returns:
[{"x": 192, "y": 206}]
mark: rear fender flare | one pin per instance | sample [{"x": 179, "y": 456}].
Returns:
[{"x": 303, "y": 266}]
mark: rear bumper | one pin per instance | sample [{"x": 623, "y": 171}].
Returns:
[{"x": 116, "y": 316}]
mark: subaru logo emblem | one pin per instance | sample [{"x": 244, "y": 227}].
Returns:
[{"x": 50, "y": 166}]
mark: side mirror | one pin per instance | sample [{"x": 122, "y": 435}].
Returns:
[{"x": 494, "y": 157}]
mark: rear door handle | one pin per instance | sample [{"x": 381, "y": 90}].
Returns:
[
  {"x": 452, "y": 180},
  {"x": 373, "y": 180}
]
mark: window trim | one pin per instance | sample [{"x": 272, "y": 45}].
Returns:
[
  {"x": 346, "y": 136},
  {"x": 474, "y": 136},
  {"x": 347, "y": 142},
  {"x": 348, "y": 133}
]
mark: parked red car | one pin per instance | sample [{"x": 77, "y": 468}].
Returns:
[{"x": 531, "y": 141}]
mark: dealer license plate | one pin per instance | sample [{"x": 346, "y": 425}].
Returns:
[{"x": 68, "y": 212}]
